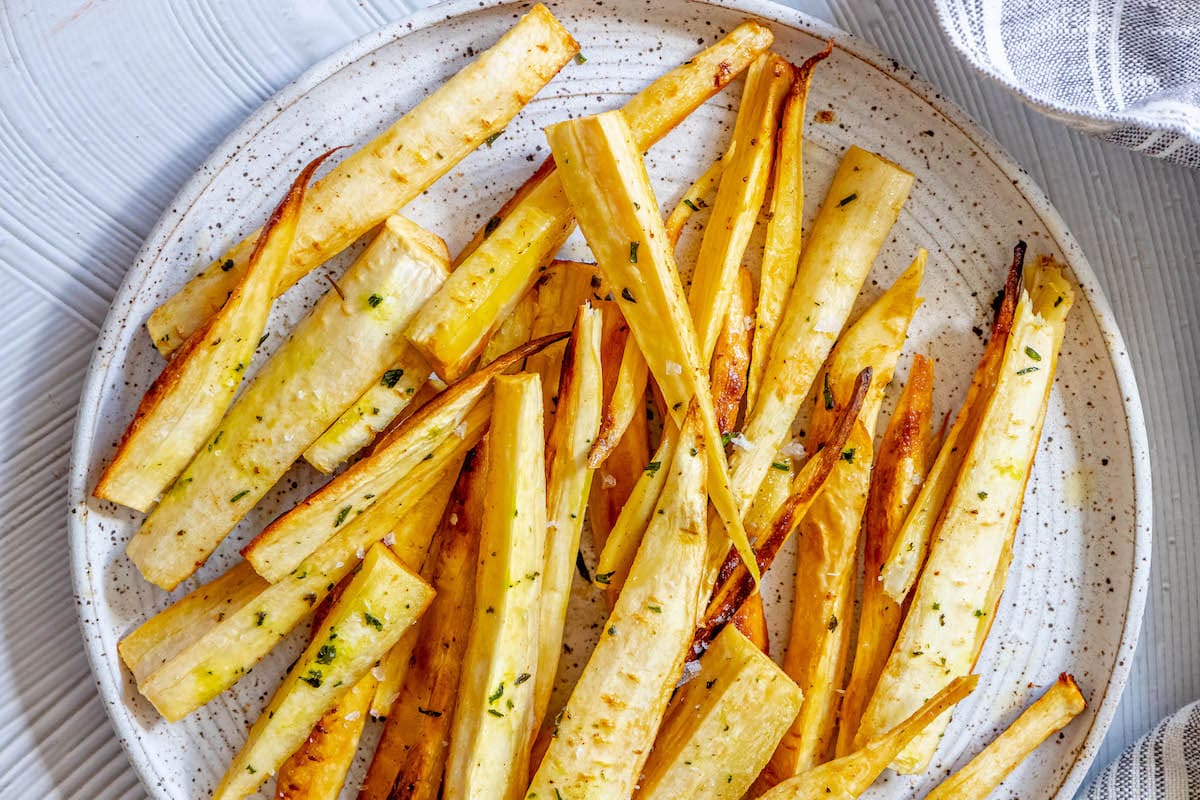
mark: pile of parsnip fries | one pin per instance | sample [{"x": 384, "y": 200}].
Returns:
[{"x": 475, "y": 411}]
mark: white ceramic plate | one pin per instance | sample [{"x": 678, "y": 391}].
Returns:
[{"x": 1075, "y": 593}]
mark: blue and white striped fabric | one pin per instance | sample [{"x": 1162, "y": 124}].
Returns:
[
  {"x": 1127, "y": 71},
  {"x": 1162, "y": 765}
]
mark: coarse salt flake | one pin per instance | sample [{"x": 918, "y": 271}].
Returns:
[
  {"x": 461, "y": 430},
  {"x": 673, "y": 368},
  {"x": 360, "y": 554},
  {"x": 390, "y": 539},
  {"x": 740, "y": 441},
  {"x": 353, "y": 716},
  {"x": 377, "y": 673},
  {"x": 608, "y": 481},
  {"x": 793, "y": 450}
]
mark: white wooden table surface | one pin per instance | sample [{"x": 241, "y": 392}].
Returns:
[{"x": 106, "y": 108}]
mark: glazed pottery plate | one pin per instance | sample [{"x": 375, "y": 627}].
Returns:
[{"x": 1075, "y": 592}]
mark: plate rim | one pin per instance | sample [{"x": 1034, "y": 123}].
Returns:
[{"x": 110, "y": 682}]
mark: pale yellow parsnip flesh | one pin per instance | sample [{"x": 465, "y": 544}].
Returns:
[{"x": 494, "y": 718}]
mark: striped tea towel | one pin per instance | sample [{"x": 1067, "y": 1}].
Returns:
[
  {"x": 1127, "y": 71},
  {"x": 1162, "y": 765}
]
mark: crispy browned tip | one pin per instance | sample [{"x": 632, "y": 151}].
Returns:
[
  {"x": 804, "y": 71},
  {"x": 1012, "y": 290},
  {"x": 734, "y": 581}
]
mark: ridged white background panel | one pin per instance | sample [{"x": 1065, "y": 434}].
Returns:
[{"x": 107, "y": 108}]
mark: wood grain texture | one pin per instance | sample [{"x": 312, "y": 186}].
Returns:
[{"x": 106, "y": 109}]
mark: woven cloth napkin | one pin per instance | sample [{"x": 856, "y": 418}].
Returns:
[
  {"x": 1127, "y": 71},
  {"x": 1162, "y": 765}
]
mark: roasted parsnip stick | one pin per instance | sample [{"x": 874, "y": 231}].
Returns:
[
  {"x": 605, "y": 178},
  {"x": 494, "y": 719},
  {"x": 452, "y": 329},
  {"x": 372, "y": 413},
  {"x": 781, "y": 251},
  {"x": 564, "y": 287},
  {"x": 1049, "y": 714},
  {"x": 899, "y": 470},
  {"x": 604, "y": 734},
  {"x": 699, "y": 195},
  {"x": 859, "y": 210},
  {"x": 850, "y": 776},
  {"x": 908, "y": 553},
  {"x": 389, "y": 171},
  {"x": 625, "y": 538},
  {"x": 184, "y": 405},
  {"x": 739, "y": 197},
  {"x": 381, "y": 602},
  {"x": 342, "y": 347},
  {"x": 568, "y": 481},
  {"x": 819, "y": 639},
  {"x": 960, "y": 586},
  {"x": 721, "y": 726}
]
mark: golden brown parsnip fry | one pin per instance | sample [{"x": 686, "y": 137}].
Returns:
[
  {"x": 277, "y": 550},
  {"x": 494, "y": 719},
  {"x": 561, "y": 290},
  {"x": 167, "y": 633},
  {"x": 603, "y": 736},
  {"x": 850, "y": 776},
  {"x": 625, "y": 538},
  {"x": 698, "y": 196},
  {"x": 959, "y": 589},
  {"x": 1049, "y": 714},
  {"x": 411, "y": 753},
  {"x": 603, "y": 174},
  {"x": 514, "y": 331},
  {"x": 622, "y": 465},
  {"x": 455, "y": 324},
  {"x": 859, "y": 210},
  {"x": 721, "y": 726},
  {"x": 731, "y": 357},
  {"x": 340, "y": 348},
  {"x": 899, "y": 470},
  {"x": 220, "y": 657},
  {"x": 734, "y": 582},
  {"x": 751, "y": 621},
  {"x": 184, "y": 405},
  {"x": 317, "y": 771},
  {"x": 568, "y": 480},
  {"x": 626, "y": 401},
  {"x": 781, "y": 251},
  {"x": 739, "y": 197},
  {"x": 423, "y": 522},
  {"x": 392, "y": 169},
  {"x": 372, "y": 413},
  {"x": 381, "y": 602},
  {"x": 819, "y": 638},
  {"x": 908, "y": 553}
]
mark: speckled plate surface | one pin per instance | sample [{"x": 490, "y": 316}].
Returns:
[{"x": 1076, "y": 589}]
